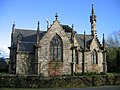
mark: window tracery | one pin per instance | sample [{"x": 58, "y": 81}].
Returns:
[{"x": 56, "y": 48}]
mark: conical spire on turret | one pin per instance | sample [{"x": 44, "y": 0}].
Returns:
[
  {"x": 92, "y": 10},
  {"x": 12, "y": 34},
  {"x": 72, "y": 34},
  {"x": 38, "y": 30},
  {"x": 38, "y": 25},
  {"x": 93, "y": 22},
  {"x": 13, "y": 28},
  {"x": 103, "y": 42}
]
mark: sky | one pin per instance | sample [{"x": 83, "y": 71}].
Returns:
[{"x": 26, "y": 13}]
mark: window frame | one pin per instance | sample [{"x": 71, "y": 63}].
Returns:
[
  {"x": 94, "y": 57},
  {"x": 56, "y": 49}
]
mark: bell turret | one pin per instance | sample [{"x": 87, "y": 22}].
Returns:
[{"x": 93, "y": 22}]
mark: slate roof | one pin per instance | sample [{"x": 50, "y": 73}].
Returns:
[
  {"x": 27, "y": 38},
  {"x": 24, "y": 35},
  {"x": 88, "y": 39},
  {"x": 80, "y": 39}
]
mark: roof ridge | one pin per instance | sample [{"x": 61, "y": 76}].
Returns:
[
  {"x": 25, "y": 29},
  {"x": 29, "y": 30},
  {"x": 85, "y": 34}
]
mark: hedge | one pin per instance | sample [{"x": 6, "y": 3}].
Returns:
[{"x": 33, "y": 81}]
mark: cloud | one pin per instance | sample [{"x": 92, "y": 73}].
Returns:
[{"x": 4, "y": 51}]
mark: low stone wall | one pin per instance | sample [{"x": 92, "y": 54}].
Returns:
[{"x": 14, "y": 81}]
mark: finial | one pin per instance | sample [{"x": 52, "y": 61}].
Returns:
[
  {"x": 72, "y": 26},
  {"x": 56, "y": 16},
  {"x": 84, "y": 32},
  {"x": 14, "y": 24},
  {"x": 92, "y": 5},
  {"x": 38, "y": 26},
  {"x": 13, "y": 27},
  {"x": 103, "y": 42},
  {"x": 47, "y": 23},
  {"x": 92, "y": 9},
  {"x": 72, "y": 29},
  {"x": 38, "y": 32},
  {"x": 103, "y": 39},
  {"x": 84, "y": 40}
]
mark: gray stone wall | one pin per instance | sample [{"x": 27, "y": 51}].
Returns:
[
  {"x": 89, "y": 67},
  {"x": 25, "y": 60},
  {"x": 94, "y": 67},
  {"x": 44, "y": 51},
  {"x": 24, "y": 63}
]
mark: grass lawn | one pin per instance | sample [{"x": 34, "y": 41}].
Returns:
[{"x": 30, "y": 89}]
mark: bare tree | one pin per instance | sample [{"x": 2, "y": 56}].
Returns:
[
  {"x": 113, "y": 51},
  {"x": 113, "y": 40}
]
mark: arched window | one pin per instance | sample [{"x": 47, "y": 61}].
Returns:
[
  {"x": 56, "y": 49},
  {"x": 94, "y": 57}
]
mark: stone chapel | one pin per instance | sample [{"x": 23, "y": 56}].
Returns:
[{"x": 59, "y": 50}]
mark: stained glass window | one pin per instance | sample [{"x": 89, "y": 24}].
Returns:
[{"x": 56, "y": 48}]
